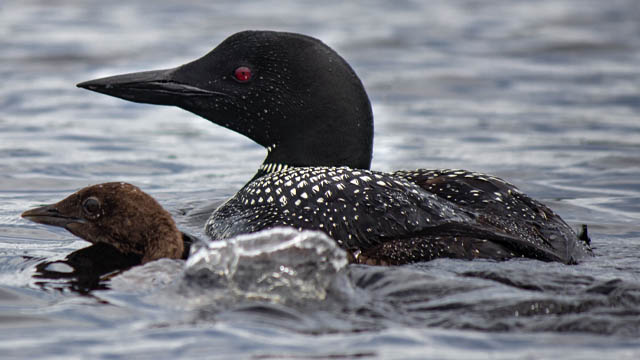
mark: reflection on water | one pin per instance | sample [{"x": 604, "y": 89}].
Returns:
[{"x": 542, "y": 93}]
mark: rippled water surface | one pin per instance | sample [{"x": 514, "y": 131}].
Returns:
[{"x": 545, "y": 94}]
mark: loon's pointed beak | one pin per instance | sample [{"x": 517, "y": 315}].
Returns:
[
  {"x": 158, "y": 87},
  {"x": 50, "y": 215}
]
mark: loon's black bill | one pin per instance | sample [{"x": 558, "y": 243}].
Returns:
[
  {"x": 158, "y": 87},
  {"x": 49, "y": 215}
]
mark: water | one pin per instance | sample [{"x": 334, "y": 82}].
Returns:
[{"x": 543, "y": 93}]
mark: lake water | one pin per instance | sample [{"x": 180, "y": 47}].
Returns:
[{"x": 545, "y": 94}]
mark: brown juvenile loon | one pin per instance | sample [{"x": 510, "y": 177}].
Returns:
[
  {"x": 299, "y": 99},
  {"x": 120, "y": 215}
]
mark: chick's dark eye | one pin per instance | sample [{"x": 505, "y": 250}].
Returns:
[
  {"x": 91, "y": 205},
  {"x": 242, "y": 74}
]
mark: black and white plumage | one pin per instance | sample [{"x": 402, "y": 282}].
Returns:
[
  {"x": 395, "y": 218},
  {"x": 299, "y": 99}
]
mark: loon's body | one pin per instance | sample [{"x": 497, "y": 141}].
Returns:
[
  {"x": 391, "y": 218},
  {"x": 301, "y": 101}
]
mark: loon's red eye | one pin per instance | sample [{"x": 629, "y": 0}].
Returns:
[{"x": 242, "y": 74}]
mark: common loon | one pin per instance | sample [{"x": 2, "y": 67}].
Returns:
[
  {"x": 120, "y": 215},
  {"x": 299, "y": 99}
]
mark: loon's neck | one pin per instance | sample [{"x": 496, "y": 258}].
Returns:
[{"x": 339, "y": 144}]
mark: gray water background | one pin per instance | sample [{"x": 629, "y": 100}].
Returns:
[{"x": 545, "y": 94}]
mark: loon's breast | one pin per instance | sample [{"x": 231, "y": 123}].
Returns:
[{"x": 401, "y": 217}]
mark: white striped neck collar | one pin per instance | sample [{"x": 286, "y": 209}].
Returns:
[{"x": 271, "y": 167}]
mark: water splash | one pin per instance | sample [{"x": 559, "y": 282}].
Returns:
[{"x": 276, "y": 265}]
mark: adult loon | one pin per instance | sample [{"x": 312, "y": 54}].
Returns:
[{"x": 299, "y": 99}]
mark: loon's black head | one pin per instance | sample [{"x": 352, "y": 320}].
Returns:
[{"x": 288, "y": 92}]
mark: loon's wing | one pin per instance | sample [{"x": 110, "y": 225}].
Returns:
[
  {"x": 500, "y": 206},
  {"x": 453, "y": 240}
]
